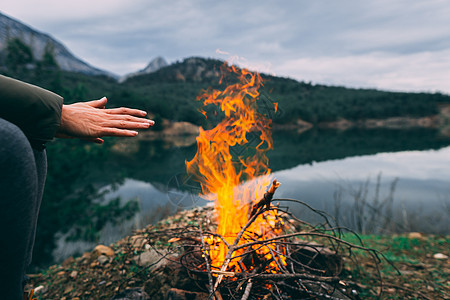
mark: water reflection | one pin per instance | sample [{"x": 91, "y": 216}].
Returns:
[
  {"x": 157, "y": 161},
  {"x": 313, "y": 166},
  {"x": 422, "y": 165},
  {"x": 414, "y": 181},
  {"x": 153, "y": 205},
  {"x": 414, "y": 184}
]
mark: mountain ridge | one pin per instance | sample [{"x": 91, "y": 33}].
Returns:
[
  {"x": 39, "y": 42},
  {"x": 153, "y": 66}
]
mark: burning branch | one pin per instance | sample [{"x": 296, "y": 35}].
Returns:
[{"x": 267, "y": 198}]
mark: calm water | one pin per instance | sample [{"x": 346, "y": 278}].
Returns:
[{"x": 402, "y": 177}]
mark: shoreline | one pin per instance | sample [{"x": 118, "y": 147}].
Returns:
[{"x": 172, "y": 131}]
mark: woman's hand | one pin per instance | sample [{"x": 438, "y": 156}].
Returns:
[{"x": 91, "y": 121}]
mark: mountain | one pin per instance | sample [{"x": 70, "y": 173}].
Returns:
[
  {"x": 39, "y": 43},
  {"x": 191, "y": 69},
  {"x": 156, "y": 64}
]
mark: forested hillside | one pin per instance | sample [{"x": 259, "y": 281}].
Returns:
[{"x": 171, "y": 92}]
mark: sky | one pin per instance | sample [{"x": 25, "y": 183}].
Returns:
[{"x": 397, "y": 45}]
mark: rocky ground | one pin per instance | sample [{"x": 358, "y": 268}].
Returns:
[{"x": 138, "y": 268}]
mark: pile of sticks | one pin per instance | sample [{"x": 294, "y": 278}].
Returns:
[{"x": 309, "y": 258}]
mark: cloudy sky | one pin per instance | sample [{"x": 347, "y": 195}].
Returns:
[{"x": 385, "y": 44}]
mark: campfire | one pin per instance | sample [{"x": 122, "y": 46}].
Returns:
[
  {"x": 235, "y": 180},
  {"x": 252, "y": 246}
]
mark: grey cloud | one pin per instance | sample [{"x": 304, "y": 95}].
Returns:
[{"x": 266, "y": 32}]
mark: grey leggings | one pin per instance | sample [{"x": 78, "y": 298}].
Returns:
[{"x": 22, "y": 177}]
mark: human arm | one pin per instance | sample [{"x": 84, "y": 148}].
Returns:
[
  {"x": 41, "y": 115},
  {"x": 91, "y": 121}
]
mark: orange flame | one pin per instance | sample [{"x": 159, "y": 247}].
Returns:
[{"x": 230, "y": 176}]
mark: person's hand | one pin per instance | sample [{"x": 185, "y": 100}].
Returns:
[{"x": 91, "y": 121}]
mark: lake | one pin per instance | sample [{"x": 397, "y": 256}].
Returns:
[{"x": 373, "y": 181}]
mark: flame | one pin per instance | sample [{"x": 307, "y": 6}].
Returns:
[{"x": 233, "y": 172}]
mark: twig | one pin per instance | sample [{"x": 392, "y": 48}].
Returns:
[
  {"x": 247, "y": 290},
  {"x": 288, "y": 251},
  {"x": 274, "y": 257},
  {"x": 208, "y": 267},
  {"x": 218, "y": 295},
  {"x": 326, "y": 217},
  {"x": 290, "y": 276},
  {"x": 225, "y": 273},
  {"x": 305, "y": 234}
]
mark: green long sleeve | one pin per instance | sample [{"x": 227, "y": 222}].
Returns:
[{"x": 36, "y": 111}]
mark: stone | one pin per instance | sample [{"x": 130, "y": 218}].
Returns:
[
  {"x": 102, "y": 259},
  {"x": 132, "y": 294},
  {"x": 40, "y": 290},
  {"x": 150, "y": 257},
  {"x": 86, "y": 256},
  {"x": 407, "y": 272},
  {"x": 103, "y": 250},
  {"x": 440, "y": 256},
  {"x": 68, "y": 261},
  {"x": 68, "y": 289},
  {"x": 138, "y": 241},
  {"x": 415, "y": 235}
]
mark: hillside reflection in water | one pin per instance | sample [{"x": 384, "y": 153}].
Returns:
[{"x": 319, "y": 167}]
